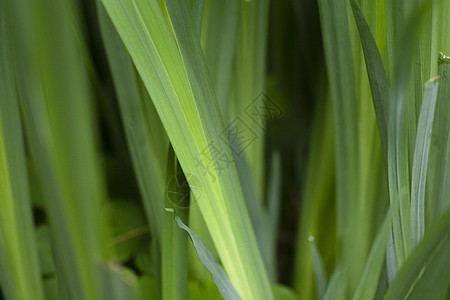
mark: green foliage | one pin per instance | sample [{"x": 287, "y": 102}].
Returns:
[{"x": 209, "y": 149}]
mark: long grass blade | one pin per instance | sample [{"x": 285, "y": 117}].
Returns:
[
  {"x": 420, "y": 162},
  {"x": 438, "y": 178},
  {"x": 339, "y": 63},
  {"x": 337, "y": 288},
  {"x": 249, "y": 82},
  {"x": 146, "y": 138},
  {"x": 379, "y": 85},
  {"x": 219, "y": 277},
  {"x": 317, "y": 192},
  {"x": 173, "y": 251},
  {"x": 147, "y": 141},
  {"x": 368, "y": 284},
  {"x": 399, "y": 138},
  {"x": 20, "y": 274},
  {"x": 220, "y": 39},
  {"x": 189, "y": 111},
  {"x": 273, "y": 213},
  {"x": 59, "y": 125},
  {"x": 319, "y": 270},
  {"x": 197, "y": 14},
  {"x": 391, "y": 259},
  {"x": 118, "y": 282}
]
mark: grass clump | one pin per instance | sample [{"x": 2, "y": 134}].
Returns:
[{"x": 211, "y": 149}]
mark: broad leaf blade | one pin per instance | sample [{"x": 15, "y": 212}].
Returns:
[{"x": 175, "y": 75}]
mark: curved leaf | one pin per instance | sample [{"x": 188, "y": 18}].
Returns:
[{"x": 219, "y": 277}]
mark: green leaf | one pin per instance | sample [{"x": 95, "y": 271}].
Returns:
[
  {"x": 249, "y": 73},
  {"x": 197, "y": 13},
  {"x": 337, "y": 287},
  {"x": 145, "y": 134},
  {"x": 55, "y": 101},
  {"x": 411, "y": 270},
  {"x": 282, "y": 292},
  {"x": 317, "y": 193},
  {"x": 147, "y": 288},
  {"x": 118, "y": 282},
  {"x": 172, "y": 67},
  {"x": 340, "y": 70},
  {"x": 438, "y": 181},
  {"x": 432, "y": 283},
  {"x": 45, "y": 251},
  {"x": 391, "y": 260},
  {"x": 319, "y": 271},
  {"x": 420, "y": 162},
  {"x": 256, "y": 210},
  {"x": 174, "y": 242},
  {"x": 379, "y": 85},
  {"x": 368, "y": 284},
  {"x": 273, "y": 212},
  {"x": 219, "y": 277},
  {"x": 220, "y": 38},
  {"x": 399, "y": 132},
  {"x": 20, "y": 276}
]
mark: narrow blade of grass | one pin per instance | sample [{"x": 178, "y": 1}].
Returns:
[
  {"x": 256, "y": 209},
  {"x": 391, "y": 260},
  {"x": 147, "y": 141},
  {"x": 20, "y": 274},
  {"x": 368, "y": 284},
  {"x": 197, "y": 14},
  {"x": 399, "y": 138},
  {"x": 338, "y": 58},
  {"x": 249, "y": 82},
  {"x": 438, "y": 190},
  {"x": 337, "y": 287},
  {"x": 118, "y": 283},
  {"x": 219, "y": 277},
  {"x": 264, "y": 217},
  {"x": 220, "y": 39},
  {"x": 146, "y": 138},
  {"x": 283, "y": 293},
  {"x": 273, "y": 214},
  {"x": 319, "y": 270},
  {"x": 420, "y": 163},
  {"x": 174, "y": 242},
  {"x": 379, "y": 85},
  {"x": 317, "y": 194}
]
